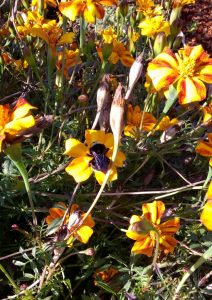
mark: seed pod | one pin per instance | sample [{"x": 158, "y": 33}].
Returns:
[
  {"x": 104, "y": 100},
  {"x": 117, "y": 113},
  {"x": 134, "y": 75}
]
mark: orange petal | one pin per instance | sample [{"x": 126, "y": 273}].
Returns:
[
  {"x": 167, "y": 243},
  {"x": 71, "y": 9},
  {"x": 170, "y": 227},
  {"x": 204, "y": 149},
  {"x": 190, "y": 90},
  {"x": 153, "y": 211},
  {"x": 144, "y": 247}
]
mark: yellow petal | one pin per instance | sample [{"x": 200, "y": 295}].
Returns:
[
  {"x": 18, "y": 125},
  {"x": 109, "y": 140},
  {"x": 206, "y": 215},
  {"x": 67, "y": 37},
  {"x": 209, "y": 192},
  {"x": 170, "y": 227},
  {"x": 71, "y": 9},
  {"x": 79, "y": 168},
  {"x": 93, "y": 136},
  {"x": 84, "y": 233},
  {"x": 21, "y": 109},
  {"x": 75, "y": 148},
  {"x": 205, "y": 73},
  {"x": 167, "y": 243},
  {"x": 190, "y": 90},
  {"x": 40, "y": 33}
]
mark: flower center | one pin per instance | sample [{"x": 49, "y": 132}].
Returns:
[
  {"x": 187, "y": 67},
  {"x": 100, "y": 161}
]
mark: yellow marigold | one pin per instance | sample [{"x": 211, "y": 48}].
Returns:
[
  {"x": 134, "y": 117},
  {"x": 71, "y": 58},
  {"x": 148, "y": 8},
  {"x": 119, "y": 52},
  {"x": 165, "y": 123},
  {"x": 93, "y": 156},
  {"x": 205, "y": 148},
  {"x": 109, "y": 35},
  {"x": 187, "y": 69},
  {"x": 145, "y": 242},
  {"x": 152, "y": 26},
  {"x": 84, "y": 232},
  {"x": 89, "y": 9},
  {"x": 13, "y": 121},
  {"x": 206, "y": 215},
  {"x": 181, "y": 3},
  {"x": 207, "y": 111}
]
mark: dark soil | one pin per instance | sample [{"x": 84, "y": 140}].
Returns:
[{"x": 197, "y": 24}]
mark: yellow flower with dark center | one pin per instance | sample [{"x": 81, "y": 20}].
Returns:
[
  {"x": 83, "y": 233},
  {"x": 134, "y": 117},
  {"x": 166, "y": 123},
  {"x": 93, "y": 156},
  {"x": 187, "y": 69},
  {"x": 152, "y": 26},
  {"x": 181, "y": 3},
  {"x": 206, "y": 215},
  {"x": 205, "y": 148},
  {"x": 145, "y": 242},
  {"x": 89, "y": 9},
  {"x": 207, "y": 111},
  {"x": 13, "y": 121},
  {"x": 119, "y": 52}
]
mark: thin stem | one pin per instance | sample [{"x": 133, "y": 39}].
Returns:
[
  {"x": 154, "y": 262},
  {"x": 20, "y": 166},
  {"x": 16, "y": 288},
  {"x": 82, "y": 34}
]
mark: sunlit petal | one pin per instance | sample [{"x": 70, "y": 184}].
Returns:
[
  {"x": 75, "y": 148},
  {"x": 79, "y": 168}
]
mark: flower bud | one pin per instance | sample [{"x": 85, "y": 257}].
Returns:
[
  {"x": 117, "y": 113},
  {"x": 160, "y": 43},
  {"x": 142, "y": 227},
  {"x": 175, "y": 14},
  {"x": 123, "y": 8},
  {"x": 134, "y": 75}
]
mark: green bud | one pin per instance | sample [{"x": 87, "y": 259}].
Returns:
[
  {"x": 160, "y": 43},
  {"x": 143, "y": 227}
]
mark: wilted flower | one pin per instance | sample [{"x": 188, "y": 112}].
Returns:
[
  {"x": 188, "y": 69},
  {"x": 89, "y": 9},
  {"x": 134, "y": 117},
  {"x": 205, "y": 148},
  {"x": 13, "y": 121},
  {"x": 152, "y": 26},
  {"x": 206, "y": 215},
  {"x": 146, "y": 239},
  {"x": 73, "y": 219},
  {"x": 93, "y": 156}
]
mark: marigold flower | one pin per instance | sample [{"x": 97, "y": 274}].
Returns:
[
  {"x": 52, "y": 3},
  {"x": 166, "y": 123},
  {"x": 207, "y": 111},
  {"x": 152, "y": 26},
  {"x": 205, "y": 148},
  {"x": 89, "y": 9},
  {"x": 148, "y": 8},
  {"x": 119, "y": 52},
  {"x": 206, "y": 215},
  {"x": 83, "y": 233},
  {"x": 181, "y": 3},
  {"x": 109, "y": 35},
  {"x": 93, "y": 156},
  {"x": 188, "y": 69},
  {"x": 105, "y": 275},
  {"x": 13, "y": 121},
  {"x": 134, "y": 117},
  {"x": 145, "y": 242},
  {"x": 71, "y": 58}
]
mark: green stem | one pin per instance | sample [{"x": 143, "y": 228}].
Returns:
[
  {"x": 199, "y": 262},
  {"x": 21, "y": 168},
  {"x": 82, "y": 34},
  {"x": 154, "y": 262},
  {"x": 16, "y": 288}
]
